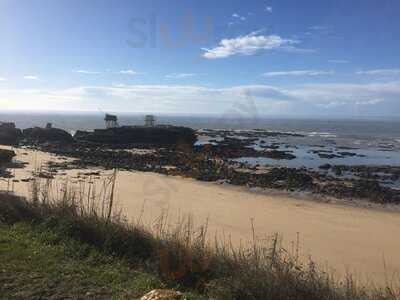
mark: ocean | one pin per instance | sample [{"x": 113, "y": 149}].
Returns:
[
  {"x": 374, "y": 142},
  {"x": 349, "y": 128}
]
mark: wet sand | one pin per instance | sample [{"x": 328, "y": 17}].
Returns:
[{"x": 345, "y": 238}]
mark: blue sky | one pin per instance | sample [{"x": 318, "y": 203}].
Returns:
[{"x": 312, "y": 57}]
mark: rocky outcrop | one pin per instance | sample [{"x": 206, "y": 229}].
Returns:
[
  {"x": 6, "y": 156},
  {"x": 9, "y": 135},
  {"x": 43, "y": 135},
  {"x": 234, "y": 148},
  {"x": 157, "y": 136},
  {"x": 276, "y": 154}
]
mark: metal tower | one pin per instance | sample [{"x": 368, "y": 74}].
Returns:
[{"x": 111, "y": 121}]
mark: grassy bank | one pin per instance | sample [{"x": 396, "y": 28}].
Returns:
[
  {"x": 128, "y": 259},
  {"x": 36, "y": 264}
]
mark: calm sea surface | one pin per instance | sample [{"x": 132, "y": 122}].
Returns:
[
  {"x": 343, "y": 128},
  {"x": 377, "y": 141}
]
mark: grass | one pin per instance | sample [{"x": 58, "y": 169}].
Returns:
[
  {"x": 81, "y": 225},
  {"x": 35, "y": 265},
  {"x": 42, "y": 258}
]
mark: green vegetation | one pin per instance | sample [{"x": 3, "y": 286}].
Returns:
[
  {"x": 35, "y": 264},
  {"x": 77, "y": 246},
  {"x": 41, "y": 259}
]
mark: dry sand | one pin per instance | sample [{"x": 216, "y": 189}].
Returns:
[{"x": 343, "y": 237}]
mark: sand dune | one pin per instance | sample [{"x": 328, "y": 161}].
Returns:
[{"x": 344, "y": 237}]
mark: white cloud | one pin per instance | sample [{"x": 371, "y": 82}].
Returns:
[
  {"x": 3, "y": 79},
  {"x": 293, "y": 49},
  {"x": 31, "y": 77},
  {"x": 299, "y": 73},
  {"x": 237, "y": 16},
  {"x": 179, "y": 75},
  {"x": 347, "y": 93},
  {"x": 87, "y": 72},
  {"x": 268, "y": 9},
  {"x": 248, "y": 45},
  {"x": 338, "y": 61},
  {"x": 128, "y": 72},
  {"x": 370, "y": 102},
  {"x": 319, "y": 28},
  {"x": 384, "y": 72}
]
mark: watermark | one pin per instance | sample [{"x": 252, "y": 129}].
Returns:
[
  {"x": 159, "y": 189},
  {"x": 151, "y": 31}
]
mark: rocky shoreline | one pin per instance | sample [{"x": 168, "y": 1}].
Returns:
[
  {"x": 201, "y": 164},
  {"x": 213, "y": 160}
]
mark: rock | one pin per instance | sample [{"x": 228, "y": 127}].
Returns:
[
  {"x": 276, "y": 154},
  {"x": 325, "y": 167},
  {"x": 347, "y": 148},
  {"x": 43, "y": 135},
  {"x": 94, "y": 173},
  {"x": 6, "y": 156},
  {"x": 45, "y": 175},
  {"x": 360, "y": 189},
  {"x": 282, "y": 178},
  {"x": 337, "y": 170},
  {"x": 9, "y": 135},
  {"x": 328, "y": 156},
  {"x": 350, "y": 154},
  {"x": 163, "y": 294}
]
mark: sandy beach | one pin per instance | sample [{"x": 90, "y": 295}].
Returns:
[{"x": 363, "y": 241}]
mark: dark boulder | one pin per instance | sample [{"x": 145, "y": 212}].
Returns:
[
  {"x": 6, "y": 156},
  {"x": 287, "y": 178},
  {"x": 43, "y": 135},
  {"x": 9, "y": 135},
  {"x": 325, "y": 167},
  {"x": 328, "y": 156},
  {"x": 337, "y": 170},
  {"x": 276, "y": 154}
]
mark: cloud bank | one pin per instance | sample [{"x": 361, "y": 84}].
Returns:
[
  {"x": 31, "y": 77},
  {"x": 179, "y": 75},
  {"x": 299, "y": 73},
  {"x": 382, "y": 72},
  {"x": 87, "y": 72},
  {"x": 338, "y": 98},
  {"x": 128, "y": 72}
]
